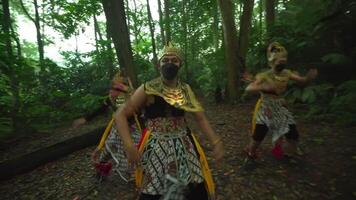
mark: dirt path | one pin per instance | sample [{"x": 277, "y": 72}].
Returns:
[{"x": 326, "y": 170}]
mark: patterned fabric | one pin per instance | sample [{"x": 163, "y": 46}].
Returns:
[
  {"x": 181, "y": 97},
  {"x": 166, "y": 125},
  {"x": 271, "y": 111},
  {"x": 114, "y": 148},
  {"x": 169, "y": 154}
]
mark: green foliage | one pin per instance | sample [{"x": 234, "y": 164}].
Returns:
[
  {"x": 70, "y": 18},
  {"x": 309, "y": 94},
  {"x": 326, "y": 100},
  {"x": 146, "y": 70},
  {"x": 344, "y": 100}
]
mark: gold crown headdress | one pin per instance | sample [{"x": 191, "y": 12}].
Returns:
[
  {"x": 119, "y": 78},
  {"x": 169, "y": 49},
  {"x": 275, "y": 50}
]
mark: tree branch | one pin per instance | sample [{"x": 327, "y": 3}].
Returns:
[{"x": 26, "y": 12}]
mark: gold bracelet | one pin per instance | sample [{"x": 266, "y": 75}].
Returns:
[{"x": 216, "y": 141}]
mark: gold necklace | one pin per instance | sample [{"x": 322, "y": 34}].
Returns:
[{"x": 174, "y": 96}]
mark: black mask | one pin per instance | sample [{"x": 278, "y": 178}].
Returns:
[
  {"x": 280, "y": 67},
  {"x": 169, "y": 71}
]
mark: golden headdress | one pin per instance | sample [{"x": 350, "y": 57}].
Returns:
[
  {"x": 274, "y": 51},
  {"x": 169, "y": 49},
  {"x": 119, "y": 78}
]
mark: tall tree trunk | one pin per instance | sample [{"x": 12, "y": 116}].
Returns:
[
  {"x": 261, "y": 22},
  {"x": 128, "y": 17},
  {"x": 215, "y": 26},
  {"x": 163, "y": 37},
  {"x": 115, "y": 16},
  {"x": 7, "y": 26},
  {"x": 150, "y": 21},
  {"x": 185, "y": 36},
  {"x": 135, "y": 24},
  {"x": 9, "y": 69},
  {"x": 39, "y": 36},
  {"x": 96, "y": 33},
  {"x": 231, "y": 49},
  {"x": 17, "y": 40},
  {"x": 110, "y": 54},
  {"x": 167, "y": 20},
  {"x": 40, "y": 45},
  {"x": 245, "y": 26},
  {"x": 270, "y": 16}
]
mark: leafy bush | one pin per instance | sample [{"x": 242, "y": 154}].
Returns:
[{"x": 326, "y": 100}]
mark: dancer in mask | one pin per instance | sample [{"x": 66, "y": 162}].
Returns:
[
  {"x": 110, "y": 153},
  {"x": 170, "y": 163},
  {"x": 270, "y": 112}
]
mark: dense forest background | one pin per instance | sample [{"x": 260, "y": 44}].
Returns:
[{"x": 220, "y": 40}]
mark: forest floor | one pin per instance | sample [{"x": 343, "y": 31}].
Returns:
[{"x": 325, "y": 169}]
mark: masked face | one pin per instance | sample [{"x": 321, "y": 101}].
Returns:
[
  {"x": 169, "y": 66},
  {"x": 280, "y": 67},
  {"x": 169, "y": 71},
  {"x": 280, "y": 64}
]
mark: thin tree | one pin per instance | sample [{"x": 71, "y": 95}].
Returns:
[
  {"x": 40, "y": 44},
  {"x": 270, "y": 16},
  {"x": 231, "y": 49},
  {"x": 161, "y": 24},
  {"x": 245, "y": 26},
  {"x": 150, "y": 24},
  {"x": 260, "y": 11},
  {"x": 167, "y": 20},
  {"x": 9, "y": 68},
  {"x": 116, "y": 19}
]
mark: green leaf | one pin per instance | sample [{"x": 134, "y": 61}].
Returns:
[{"x": 308, "y": 95}]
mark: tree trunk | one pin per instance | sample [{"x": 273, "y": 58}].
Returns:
[
  {"x": 110, "y": 53},
  {"x": 167, "y": 21},
  {"x": 150, "y": 21},
  {"x": 261, "y": 22},
  {"x": 185, "y": 36},
  {"x": 135, "y": 24},
  {"x": 17, "y": 40},
  {"x": 39, "y": 37},
  {"x": 96, "y": 34},
  {"x": 30, "y": 161},
  {"x": 163, "y": 37},
  {"x": 245, "y": 26},
  {"x": 6, "y": 27},
  {"x": 9, "y": 69},
  {"x": 40, "y": 45},
  {"x": 115, "y": 16},
  {"x": 215, "y": 26},
  {"x": 231, "y": 48},
  {"x": 270, "y": 16}
]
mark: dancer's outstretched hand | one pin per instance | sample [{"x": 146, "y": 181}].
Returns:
[
  {"x": 78, "y": 122},
  {"x": 218, "y": 151},
  {"x": 312, "y": 74},
  {"x": 133, "y": 156}
]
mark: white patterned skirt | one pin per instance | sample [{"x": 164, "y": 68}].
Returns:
[
  {"x": 114, "y": 149},
  {"x": 273, "y": 113},
  {"x": 170, "y": 162}
]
